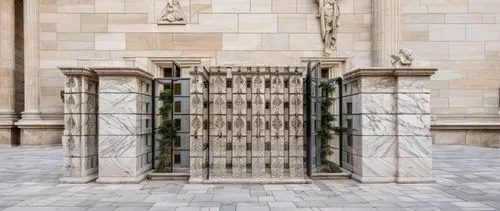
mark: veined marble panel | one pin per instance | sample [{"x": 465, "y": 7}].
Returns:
[
  {"x": 415, "y": 167},
  {"x": 374, "y": 167},
  {"x": 408, "y": 84},
  {"x": 378, "y": 124},
  {"x": 383, "y": 84},
  {"x": 376, "y": 103},
  {"x": 119, "y": 103},
  {"x": 118, "y": 167},
  {"x": 117, "y": 84},
  {"x": 414, "y": 103},
  {"x": 415, "y": 147},
  {"x": 418, "y": 125},
  {"x": 374, "y": 146},
  {"x": 119, "y": 124},
  {"x": 118, "y": 146}
]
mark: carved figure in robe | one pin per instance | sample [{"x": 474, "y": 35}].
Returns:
[
  {"x": 173, "y": 14},
  {"x": 329, "y": 14}
]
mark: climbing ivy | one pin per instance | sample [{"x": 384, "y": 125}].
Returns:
[
  {"x": 327, "y": 129},
  {"x": 166, "y": 131}
]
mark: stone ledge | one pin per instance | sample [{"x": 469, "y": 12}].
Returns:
[
  {"x": 257, "y": 181},
  {"x": 466, "y": 126},
  {"x": 369, "y": 180},
  {"x": 414, "y": 180},
  {"x": 122, "y": 180},
  {"x": 168, "y": 176},
  {"x": 78, "y": 180}
]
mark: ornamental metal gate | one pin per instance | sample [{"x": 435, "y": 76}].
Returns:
[{"x": 244, "y": 123}]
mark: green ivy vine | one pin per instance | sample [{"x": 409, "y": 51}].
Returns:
[
  {"x": 166, "y": 131},
  {"x": 327, "y": 129}
]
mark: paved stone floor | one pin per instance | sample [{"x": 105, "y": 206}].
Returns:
[{"x": 468, "y": 178}]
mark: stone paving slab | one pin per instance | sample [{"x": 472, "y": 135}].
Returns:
[{"x": 468, "y": 178}]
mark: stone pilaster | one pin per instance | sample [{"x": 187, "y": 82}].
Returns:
[
  {"x": 198, "y": 118},
  {"x": 7, "y": 70},
  {"x": 218, "y": 122},
  {"x": 388, "y": 111},
  {"x": 31, "y": 61},
  {"x": 414, "y": 144},
  {"x": 125, "y": 142},
  {"x": 34, "y": 129},
  {"x": 385, "y": 31},
  {"x": 80, "y": 118}
]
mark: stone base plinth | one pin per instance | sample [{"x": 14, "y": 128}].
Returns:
[
  {"x": 122, "y": 180},
  {"x": 40, "y": 132},
  {"x": 78, "y": 180},
  {"x": 410, "y": 180},
  {"x": 9, "y": 135},
  {"x": 257, "y": 181},
  {"x": 362, "y": 179}
]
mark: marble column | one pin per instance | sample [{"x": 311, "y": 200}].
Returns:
[
  {"x": 7, "y": 70},
  {"x": 386, "y": 31},
  {"x": 125, "y": 111},
  {"x": 80, "y": 118},
  {"x": 388, "y": 110}
]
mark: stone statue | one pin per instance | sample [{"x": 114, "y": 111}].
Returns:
[
  {"x": 329, "y": 14},
  {"x": 403, "y": 59},
  {"x": 173, "y": 13}
]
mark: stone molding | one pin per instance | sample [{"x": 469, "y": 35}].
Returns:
[{"x": 380, "y": 71}]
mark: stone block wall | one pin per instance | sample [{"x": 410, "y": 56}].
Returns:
[
  {"x": 461, "y": 38},
  {"x": 243, "y": 32}
]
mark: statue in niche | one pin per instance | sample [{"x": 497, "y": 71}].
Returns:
[
  {"x": 329, "y": 15},
  {"x": 403, "y": 59},
  {"x": 172, "y": 14}
]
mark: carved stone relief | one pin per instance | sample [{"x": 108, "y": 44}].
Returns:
[
  {"x": 173, "y": 14},
  {"x": 329, "y": 15}
]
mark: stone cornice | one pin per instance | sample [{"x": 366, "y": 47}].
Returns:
[
  {"x": 377, "y": 71},
  {"x": 77, "y": 71},
  {"x": 122, "y": 71}
]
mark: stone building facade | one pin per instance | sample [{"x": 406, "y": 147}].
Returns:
[{"x": 461, "y": 38}]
